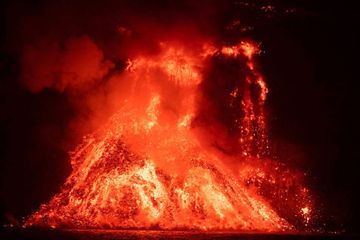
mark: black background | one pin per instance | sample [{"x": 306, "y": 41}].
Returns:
[{"x": 310, "y": 61}]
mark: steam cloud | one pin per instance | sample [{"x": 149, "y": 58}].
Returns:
[
  {"x": 83, "y": 55},
  {"x": 79, "y": 65}
]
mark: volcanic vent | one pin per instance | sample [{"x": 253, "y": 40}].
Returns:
[{"x": 172, "y": 157}]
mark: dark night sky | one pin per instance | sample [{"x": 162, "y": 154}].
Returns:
[{"x": 310, "y": 62}]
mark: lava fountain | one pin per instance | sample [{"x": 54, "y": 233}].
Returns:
[{"x": 170, "y": 159}]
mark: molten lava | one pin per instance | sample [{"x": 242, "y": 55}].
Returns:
[{"x": 149, "y": 167}]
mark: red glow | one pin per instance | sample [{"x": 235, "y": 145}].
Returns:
[{"x": 147, "y": 167}]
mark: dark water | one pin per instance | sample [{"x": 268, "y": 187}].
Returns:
[{"x": 28, "y": 234}]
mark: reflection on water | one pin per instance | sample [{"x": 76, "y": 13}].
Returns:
[{"x": 29, "y": 234}]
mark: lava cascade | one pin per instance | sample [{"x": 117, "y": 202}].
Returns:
[{"x": 148, "y": 167}]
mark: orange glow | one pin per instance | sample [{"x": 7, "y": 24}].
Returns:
[
  {"x": 244, "y": 48},
  {"x": 146, "y": 168}
]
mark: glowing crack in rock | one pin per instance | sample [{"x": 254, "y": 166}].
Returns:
[{"x": 147, "y": 169}]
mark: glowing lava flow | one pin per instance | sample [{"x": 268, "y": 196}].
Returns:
[{"x": 147, "y": 169}]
